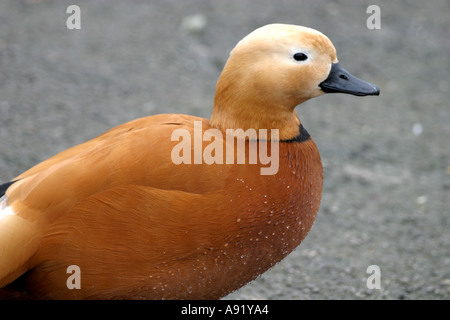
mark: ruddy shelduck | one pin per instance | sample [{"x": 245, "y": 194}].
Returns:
[{"x": 118, "y": 213}]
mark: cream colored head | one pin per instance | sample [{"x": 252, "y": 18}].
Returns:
[
  {"x": 270, "y": 72},
  {"x": 267, "y": 58}
]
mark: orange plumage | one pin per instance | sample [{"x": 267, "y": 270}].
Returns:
[{"x": 139, "y": 226}]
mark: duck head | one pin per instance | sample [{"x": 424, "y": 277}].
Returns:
[{"x": 274, "y": 69}]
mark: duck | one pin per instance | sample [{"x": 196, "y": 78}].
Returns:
[{"x": 139, "y": 212}]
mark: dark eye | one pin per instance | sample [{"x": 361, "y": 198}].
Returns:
[{"x": 300, "y": 56}]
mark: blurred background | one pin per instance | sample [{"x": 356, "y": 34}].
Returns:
[{"x": 386, "y": 198}]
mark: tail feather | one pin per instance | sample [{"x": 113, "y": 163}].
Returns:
[{"x": 4, "y": 187}]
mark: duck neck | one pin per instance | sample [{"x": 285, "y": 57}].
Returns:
[
  {"x": 242, "y": 114},
  {"x": 287, "y": 123}
]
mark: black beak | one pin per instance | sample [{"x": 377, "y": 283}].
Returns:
[{"x": 340, "y": 80}]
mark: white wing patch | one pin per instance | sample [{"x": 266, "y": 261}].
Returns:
[{"x": 5, "y": 211}]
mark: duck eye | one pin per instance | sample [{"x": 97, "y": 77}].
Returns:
[{"x": 300, "y": 56}]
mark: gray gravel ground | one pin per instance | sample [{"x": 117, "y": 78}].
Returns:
[{"x": 386, "y": 159}]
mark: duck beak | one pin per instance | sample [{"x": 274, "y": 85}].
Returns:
[{"x": 340, "y": 80}]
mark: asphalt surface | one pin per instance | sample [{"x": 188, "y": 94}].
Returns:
[{"x": 386, "y": 198}]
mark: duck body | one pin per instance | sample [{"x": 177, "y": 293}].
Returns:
[
  {"x": 138, "y": 225},
  {"x": 157, "y": 234}
]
